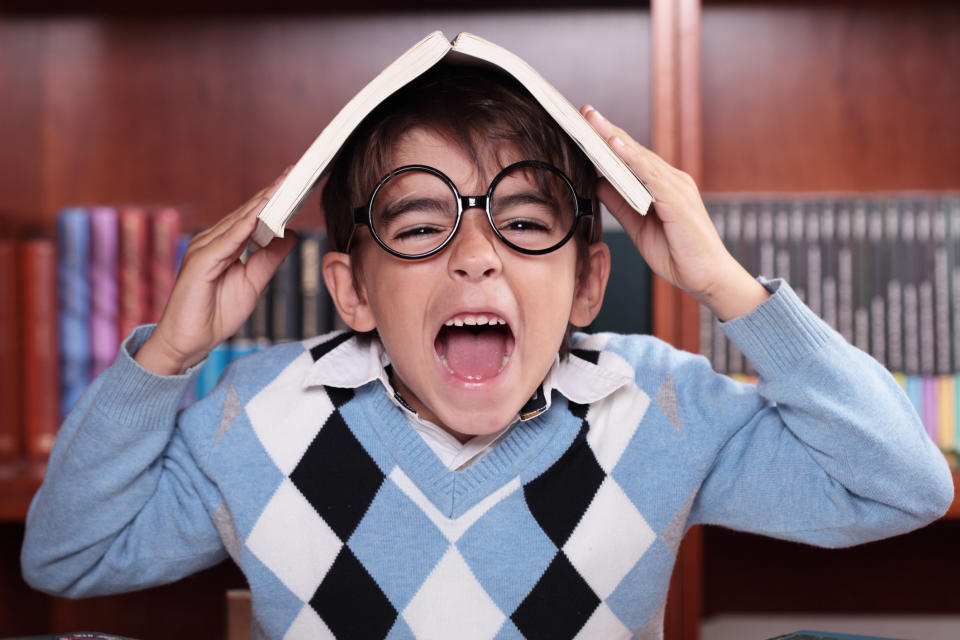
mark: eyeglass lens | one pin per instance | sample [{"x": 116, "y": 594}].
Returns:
[{"x": 415, "y": 211}]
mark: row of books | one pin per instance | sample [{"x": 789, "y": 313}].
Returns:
[
  {"x": 69, "y": 301},
  {"x": 883, "y": 271}
]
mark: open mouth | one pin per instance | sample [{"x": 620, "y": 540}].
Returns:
[{"x": 474, "y": 347}]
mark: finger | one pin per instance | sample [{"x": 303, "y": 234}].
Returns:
[
  {"x": 626, "y": 146},
  {"x": 263, "y": 264}
]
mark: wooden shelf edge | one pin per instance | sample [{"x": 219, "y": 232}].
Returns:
[{"x": 19, "y": 480}]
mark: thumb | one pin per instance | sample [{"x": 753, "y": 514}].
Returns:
[{"x": 264, "y": 263}]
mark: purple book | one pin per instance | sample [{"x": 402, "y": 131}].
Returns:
[
  {"x": 930, "y": 416},
  {"x": 103, "y": 287}
]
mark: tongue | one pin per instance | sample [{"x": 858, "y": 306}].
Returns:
[{"x": 470, "y": 355}]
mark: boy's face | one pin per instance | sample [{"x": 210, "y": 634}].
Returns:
[{"x": 469, "y": 382}]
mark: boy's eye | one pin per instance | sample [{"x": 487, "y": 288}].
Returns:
[
  {"x": 420, "y": 231},
  {"x": 523, "y": 225}
]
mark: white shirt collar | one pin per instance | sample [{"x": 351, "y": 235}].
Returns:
[{"x": 355, "y": 361}]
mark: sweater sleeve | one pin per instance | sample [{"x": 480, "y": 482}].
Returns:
[
  {"x": 123, "y": 504},
  {"x": 834, "y": 453}
]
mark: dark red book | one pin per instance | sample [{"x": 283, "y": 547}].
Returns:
[
  {"x": 40, "y": 344},
  {"x": 164, "y": 236},
  {"x": 133, "y": 270},
  {"x": 9, "y": 353}
]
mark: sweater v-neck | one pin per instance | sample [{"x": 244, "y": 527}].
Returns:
[{"x": 454, "y": 492}]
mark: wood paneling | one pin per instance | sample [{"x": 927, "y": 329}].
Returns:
[
  {"x": 802, "y": 97},
  {"x": 202, "y": 113}
]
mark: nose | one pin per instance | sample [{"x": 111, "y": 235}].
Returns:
[{"x": 473, "y": 251}]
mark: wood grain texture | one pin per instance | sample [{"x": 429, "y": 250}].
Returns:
[
  {"x": 820, "y": 96},
  {"x": 201, "y": 113}
]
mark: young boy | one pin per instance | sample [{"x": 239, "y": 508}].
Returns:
[{"x": 460, "y": 466}]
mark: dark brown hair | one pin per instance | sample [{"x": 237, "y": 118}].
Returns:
[{"x": 481, "y": 110}]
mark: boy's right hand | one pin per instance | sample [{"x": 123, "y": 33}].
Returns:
[{"x": 214, "y": 292}]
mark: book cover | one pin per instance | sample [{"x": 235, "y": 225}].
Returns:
[
  {"x": 10, "y": 358},
  {"x": 306, "y": 173},
  {"x": 73, "y": 286},
  {"x": 164, "y": 243},
  {"x": 316, "y": 305},
  {"x": 41, "y": 350},
  {"x": 104, "y": 314},
  {"x": 133, "y": 270},
  {"x": 946, "y": 412}
]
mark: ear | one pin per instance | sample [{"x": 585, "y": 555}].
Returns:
[
  {"x": 350, "y": 301},
  {"x": 588, "y": 298}
]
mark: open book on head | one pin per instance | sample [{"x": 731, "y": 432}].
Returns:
[{"x": 306, "y": 173}]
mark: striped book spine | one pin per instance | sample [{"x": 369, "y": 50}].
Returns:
[
  {"x": 946, "y": 414},
  {"x": 931, "y": 408},
  {"x": 73, "y": 287},
  {"x": 104, "y": 318}
]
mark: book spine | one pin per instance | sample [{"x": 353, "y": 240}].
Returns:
[
  {"x": 798, "y": 254},
  {"x": 315, "y": 301},
  {"x": 828, "y": 256},
  {"x": 104, "y": 317},
  {"x": 749, "y": 228},
  {"x": 861, "y": 304},
  {"x": 952, "y": 214},
  {"x": 931, "y": 407},
  {"x": 946, "y": 412},
  {"x": 941, "y": 289},
  {"x": 10, "y": 440},
  {"x": 814, "y": 259},
  {"x": 133, "y": 270},
  {"x": 73, "y": 286},
  {"x": 285, "y": 300},
  {"x": 892, "y": 256},
  {"x": 719, "y": 343},
  {"x": 40, "y": 355},
  {"x": 911, "y": 314},
  {"x": 217, "y": 361},
  {"x": 164, "y": 241},
  {"x": 845, "y": 271},
  {"x": 925, "y": 291},
  {"x": 878, "y": 282}
]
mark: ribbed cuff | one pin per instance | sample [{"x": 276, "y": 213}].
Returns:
[
  {"x": 132, "y": 394},
  {"x": 779, "y": 333}
]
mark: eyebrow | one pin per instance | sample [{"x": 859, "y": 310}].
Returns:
[
  {"x": 396, "y": 209},
  {"x": 525, "y": 197}
]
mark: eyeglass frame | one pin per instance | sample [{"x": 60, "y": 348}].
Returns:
[{"x": 363, "y": 215}]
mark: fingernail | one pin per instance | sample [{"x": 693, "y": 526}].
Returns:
[
  {"x": 617, "y": 142},
  {"x": 599, "y": 115}
]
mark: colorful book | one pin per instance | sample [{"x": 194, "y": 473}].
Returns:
[
  {"x": 40, "y": 340},
  {"x": 931, "y": 407},
  {"x": 133, "y": 270},
  {"x": 164, "y": 241},
  {"x": 10, "y": 358},
  {"x": 946, "y": 412},
  {"x": 104, "y": 314},
  {"x": 73, "y": 254}
]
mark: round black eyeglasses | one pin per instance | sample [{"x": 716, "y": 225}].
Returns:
[{"x": 415, "y": 210}]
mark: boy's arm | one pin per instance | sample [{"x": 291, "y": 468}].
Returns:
[
  {"x": 123, "y": 503},
  {"x": 833, "y": 452}
]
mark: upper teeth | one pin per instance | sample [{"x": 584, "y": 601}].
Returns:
[{"x": 468, "y": 319}]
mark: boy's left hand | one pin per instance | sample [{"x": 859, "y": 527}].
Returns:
[{"x": 676, "y": 237}]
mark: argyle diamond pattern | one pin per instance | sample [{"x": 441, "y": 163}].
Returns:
[{"x": 369, "y": 555}]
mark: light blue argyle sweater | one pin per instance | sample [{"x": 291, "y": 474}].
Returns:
[{"x": 347, "y": 525}]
